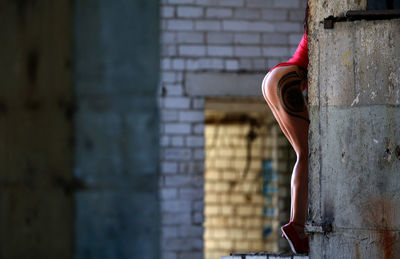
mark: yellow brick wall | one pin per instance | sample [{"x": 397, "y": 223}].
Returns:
[{"x": 234, "y": 206}]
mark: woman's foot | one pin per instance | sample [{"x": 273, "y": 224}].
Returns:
[{"x": 295, "y": 235}]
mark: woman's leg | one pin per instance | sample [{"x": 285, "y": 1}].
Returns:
[{"x": 282, "y": 91}]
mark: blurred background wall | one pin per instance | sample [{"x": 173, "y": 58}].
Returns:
[
  {"x": 209, "y": 49},
  {"x": 79, "y": 129}
]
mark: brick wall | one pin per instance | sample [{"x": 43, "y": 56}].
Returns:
[
  {"x": 236, "y": 210},
  {"x": 208, "y": 35},
  {"x": 234, "y": 217}
]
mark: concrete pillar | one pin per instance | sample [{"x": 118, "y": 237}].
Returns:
[
  {"x": 117, "y": 143},
  {"x": 354, "y": 97},
  {"x": 36, "y": 112}
]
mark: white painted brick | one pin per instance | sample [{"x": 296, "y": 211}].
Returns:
[
  {"x": 191, "y": 116},
  {"x": 292, "y": 50},
  {"x": 193, "y": 254},
  {"x": 198, "y": 103},
  {"x": 178, "y": 64},
  {"x": 198, "y": 128},
  {"x": 288, "y": 27},
  {"x": 175, "y": 218},
  {"x": 166, "y": 64},
  {"x": 206, "y": 2},
  {"x": 192, "y": 64},
  {"x": 175, "y": 205},
  {"x": 192, "y": 141},
  {"x": 169, "y": 231},
  {"x": 180, "y": 1},
  {"x": 163, "y": 25},
  {"x": 220, "y": 37},
  {"x": 295, "y": 38},
  {"x": 169, "y": 167},
  {"x": 231, "y": 64},
  {"x": 176, "y": 102},
  {"x": 168, "y": 77},
  {"x": 173, "y": 89},
  {"x": 192, "y": 50},
  {"x": 169, "y": 115},
  {"x": 177, "y": 154},
  {"x": 247, "y": 26},
  {"x": 210, "y": 25},
  {"x": 190, "y": 192},
  {"x": 222, "y": 51},
  {"x": 177, "y": 128},
  {"x": 198, "y": 205},
  {"x": 190, "y": 12},
  {"x": 190, "y": 231},
  {"x": 275, "y": 39},
  {"x": 177, "y": 25},
  {"x": 169, "y": 255},
  {"x": 247, "y": 51},
  {"x": 275, "y": 51},
  {"x": 247, "y": 38},
  {"x": 211, "y": 63},
  {"x": 274, "y": 15},
  {"x": 168, "y": 50},
  {"x": 179, "y": 180},
  {"x": 177, "y": 141},
  {"x": 167, "y": 11},
  {"x": 296, "y": 15},
  {"x": 219, "y": 12},
  {"x": 190, "y": 37},
  {"x": 191, "y": 167},
  {"x": 164, "y": 141},
  {"x": 259, "y": 3},
  {"x": 286, "y": 3},
  {"x": 199, "y": 154},
  {"x": 260, "y": 64},
  {"x": 231, "y": 2},
  {"x": 167, "y": 37},
  {"x": 247, "y": 14},
  {"x": 245, "y": 64},
  {"x": 168, "y": 193}
]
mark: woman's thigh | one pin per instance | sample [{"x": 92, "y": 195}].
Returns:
[{"x": 282, "y": 89}]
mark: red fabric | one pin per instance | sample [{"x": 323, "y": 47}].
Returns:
[{"x": 300, "y": 57}]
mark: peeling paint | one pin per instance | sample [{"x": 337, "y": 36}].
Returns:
[{"x": 356, "y": 100}]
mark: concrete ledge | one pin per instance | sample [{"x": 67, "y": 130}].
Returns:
[
  {"x": 223, "y": 84},
  {"x": 266, "y": 256}
]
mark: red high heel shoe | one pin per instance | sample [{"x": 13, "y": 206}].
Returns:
[{"x": 298, "y": 245}]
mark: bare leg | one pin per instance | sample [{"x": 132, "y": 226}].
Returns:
[{"x": 282, "y": 91}]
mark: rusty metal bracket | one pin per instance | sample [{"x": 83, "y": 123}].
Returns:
[{"x": 361, "y": 15}]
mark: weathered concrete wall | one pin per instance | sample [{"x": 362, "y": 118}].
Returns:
[
  {"x": 117, "y": 144},
  {"x": 354, "y": 100},
  {"x": 36, "y": 209}
]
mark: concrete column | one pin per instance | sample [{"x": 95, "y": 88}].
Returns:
[
  {"x": 354, "y": 95},
  {"x": 117, "y": 144},
  {"x": 36, "y": 112}
]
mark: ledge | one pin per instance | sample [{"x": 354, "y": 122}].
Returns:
[
  {"x": 210, "y": 84},
  {"x": 264, "y": 256}
]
